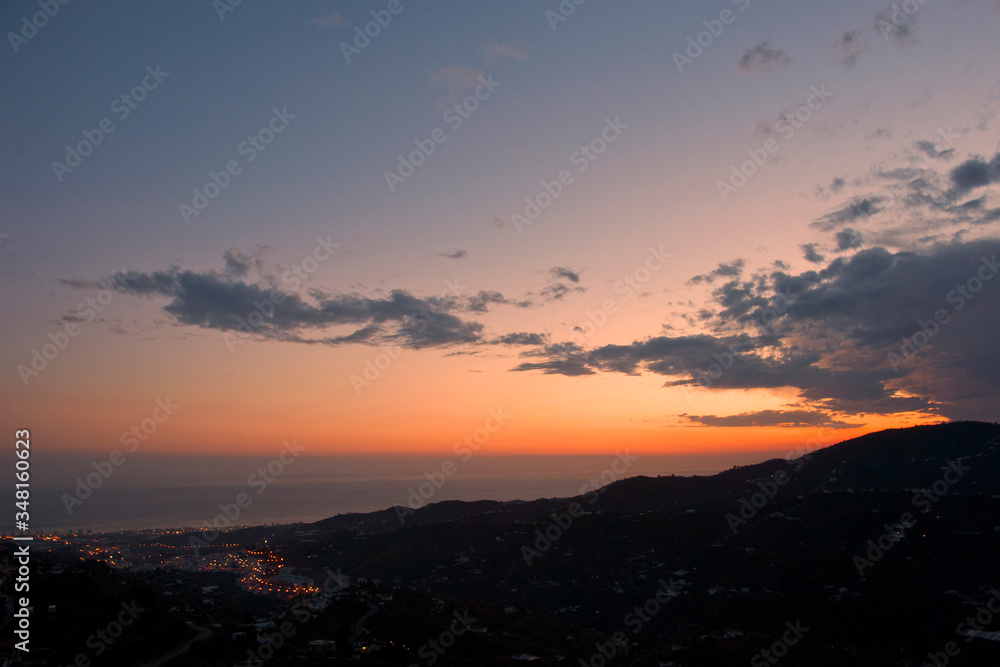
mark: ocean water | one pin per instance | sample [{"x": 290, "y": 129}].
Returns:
[{"x": 187, "y": 491}]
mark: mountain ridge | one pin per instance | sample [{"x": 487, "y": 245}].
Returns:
[{"x": 905, "y": 458}]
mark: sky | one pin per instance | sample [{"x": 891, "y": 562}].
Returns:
[{"x": 539, "y": 228}]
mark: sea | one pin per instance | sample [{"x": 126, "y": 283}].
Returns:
[{"x": 74, "y": 492}]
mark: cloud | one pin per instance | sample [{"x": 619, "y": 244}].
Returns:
[
  {"x": 330, "y": 20},
  {"x": 836, "y": 185},
  {"x": 723, "y": 270},
  {"x": 522, "y": 338},
  {"x": 459, "y": 80},
  {"x": 849, "y": 47},
  {"x": 829, "y": 334},
  {"x": 879, "y": 133},
  {"x": 896, "y": 26},
  {"x": 763, "y": 58},
  {"x": 568, "y": 367},
  {"x": 453, "y": 254},
  {"x": 929, "y": 149},
  {"x": 556, "y": 291},
  {"x": 479, "y": 303},
  {"x": 81, "y": 283},
  {"x": 491, "y": 51},
  {"x": 974, "y": 173},
  {"x": 783, "y": 418},
  {"x": 226, "y": 302},
  {"x": 849, "y": 238},
  {"x": 237, "y": 262},
  {"x": 860, "y": 208},
  {"x": 811, "y": 254},
  {"x": 559, "y": 272}
]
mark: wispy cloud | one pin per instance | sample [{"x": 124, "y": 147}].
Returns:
[
  {"x": 783, "y": 418},
  {"x": 850, "y": 47},
  {"x": 330, "y": 19},
  {"x": 458, "y": 79},
  {"x": 763, "y": 58},
  {"x": 492, "y": 51}
]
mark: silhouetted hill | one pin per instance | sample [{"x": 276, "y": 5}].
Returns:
[
  {"x": 889, "y": 460},
  {"x": 880, "y": 545}
]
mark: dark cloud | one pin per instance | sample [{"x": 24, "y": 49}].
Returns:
[
  {"x": 480, "y": 302},
  {"x": 848, "y": 239},
  {"x": 849, "y": 48},
  {"x": 453, "y": 254},
  {"x": 522, "y": 339},
  {"x": 929, "y": 148},
  {"x": 860, "y": 208},
  {"x": 568, "y": 367},
  {"x": 238, "y": 263},
  {"x": 80, "y": 283},
  {"x": 811, "y": 254},
  {"x": 263, "y": 309},
  {"x": 837, "y": 335},
  {"x": 763, "y": 58},
  {"x": 783, "y": 418},
  {"x": 560, "y": 272},
  {"x": 974, "y": 173},
  {"x": 557, "y": 291},
  {"x": 723, "y": 270}
]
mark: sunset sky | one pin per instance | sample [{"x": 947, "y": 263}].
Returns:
[{"x": 814, "y": 168}]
